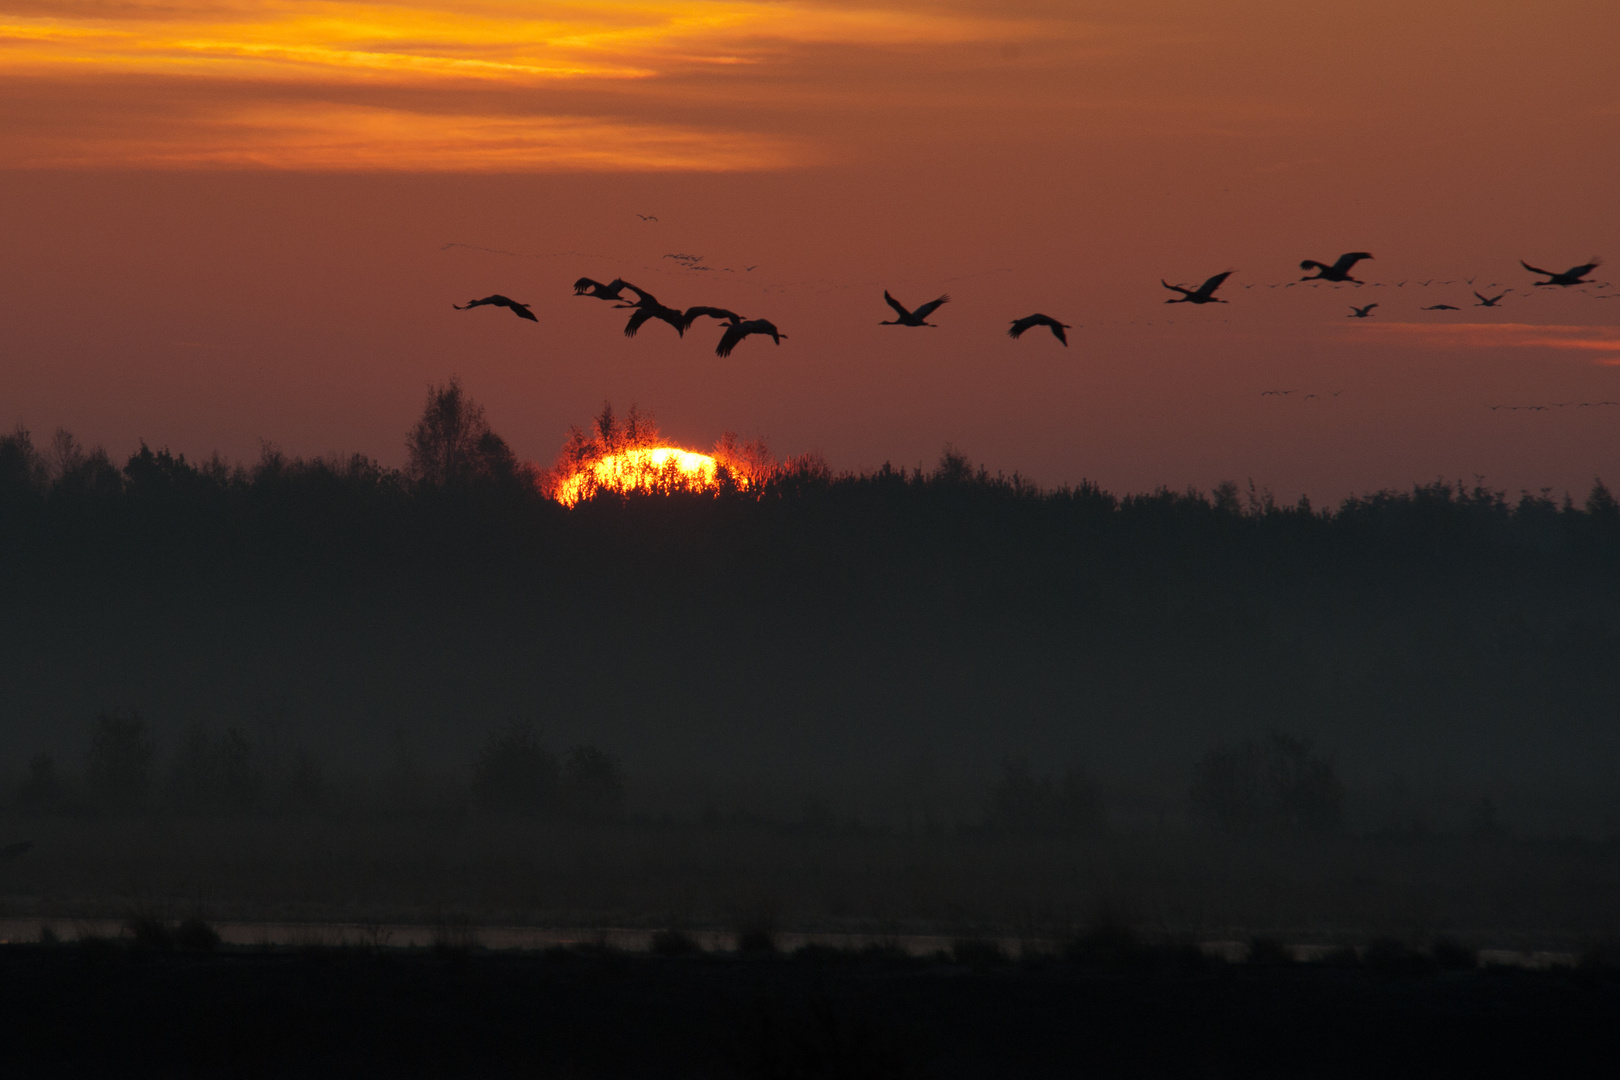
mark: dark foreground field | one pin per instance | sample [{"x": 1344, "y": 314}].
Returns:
[{"x": 117, "y": 1009}]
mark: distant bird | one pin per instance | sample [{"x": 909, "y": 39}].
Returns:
[
  {"x": 749, "y": 268},
  {"x": 646, "y": 217},
  {"x": 1446, "y": 307},
  {"x": 13, "y": 852},
  {"x": 1339, "y": 271},
  {"x": 739, "y": 330},
  {"x": 1278, "y": 393},
  {"x": 595, "y": 289},
  {"x": 910, "y": 318},
  {"x": 1028, "y": 321},
  {"x": 1489, "y": 301},
  {"x": 520, "y": 310},
  {"x": 1575, "y": 275},
  {"x": 1204, "y": 294},
  {"x": 1360, "y": 312}
]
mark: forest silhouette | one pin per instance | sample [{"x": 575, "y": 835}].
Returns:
[
  {"x": 891, "y": 611},
  {"x": 819, "y": 657}
]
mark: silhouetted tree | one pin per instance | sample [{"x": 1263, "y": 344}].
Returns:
[
  {"x": 210, "y": 776},
  {"x": 1276, "y": 784},
  {"x": 1020, "y": 800},
  {"x": 22, "y": 469},
  {"x": 593, "y": 784},
  {"x": 452, "y": 445},
  {"x": 118, "y": 766},
  {"x": 43, "y": 790},
  {"x": 514, "y": 773}
]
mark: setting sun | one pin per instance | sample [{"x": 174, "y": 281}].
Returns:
[{"x": 647, "y": 469}]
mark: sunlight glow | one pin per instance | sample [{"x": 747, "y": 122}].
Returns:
[{"x": 645, "y": 469}]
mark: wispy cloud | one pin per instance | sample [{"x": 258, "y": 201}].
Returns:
[
  {"x": 1602, "y": 341},
  {"x": 317, "y": 136}
]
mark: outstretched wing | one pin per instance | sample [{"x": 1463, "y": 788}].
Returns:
[
  {"x": 929, "y": 308},
  {"x": 1176, "y": 288},
  {"x": 1057, "y": 331},
  {"x": 720, "y": 313},
  {"x": 1310, "y": 264},
  {"x": 1349, "y": 259},
  {"x": 1536, "y": 269},
  {"x": 898, "y": 309},
  {"x": 671, "y": 316},
  {"x": 728, "y": 341},
  {"x": 637, "y": 321},
  {"x": 1020, "y": 325},
  {"x": 643, "y": 297},
  {"x": 475, "y": 303},
  {"x": 1582, "y": 271},
  {"x": 522, "y": 311},
  {"x": 585, "y": 283},
  {"x": 1208, "y": 288}
]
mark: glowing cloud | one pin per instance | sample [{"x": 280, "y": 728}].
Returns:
[{"x": 318, "y": 85}]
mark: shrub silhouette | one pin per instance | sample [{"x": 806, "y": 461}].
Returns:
[
  {"x": 1452, "y": 955},
  {"x": 118, "y": 766},
  {"x": 978, "y": 953},
  {"x": 673, "y": 943},
  {"x": 1277, "y": 785},
  {"x": 514, "y": 774},
  {"x": 194, "y": 935}
]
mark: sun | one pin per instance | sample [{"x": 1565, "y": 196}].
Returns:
[{"x": 644, "y": 469}]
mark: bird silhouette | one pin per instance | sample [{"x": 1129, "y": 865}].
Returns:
[
  {"x": 646, "y": 217},
  {"x": 1339, "y": 271},
  {"x": 647, "y": 307},
  {"x": 1489, "y": 301},
  {"x": 911, "y": 318},
  {"x": 1204, "y": 294},
  {"x": 1020, "y": 325},
  {"x": 739, "y": 330},
  {"x": 1575, "y": 275},
  {"x": 1444, "y": 307},
  {"x": 644, "y": 314},
  {"x": 520, "y": 310},
  {"x": 692, "y": 314},
  {"x": 611, "y": 291},
  {"x": 1360, "y": 312}
]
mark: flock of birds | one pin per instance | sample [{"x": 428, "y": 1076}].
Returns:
[{"x": 646, "y": 307}]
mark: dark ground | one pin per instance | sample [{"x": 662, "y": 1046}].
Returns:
[{"x": 114, "y": 1009}]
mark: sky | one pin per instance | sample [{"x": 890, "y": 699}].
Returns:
[{"x": 229, "y": 223}]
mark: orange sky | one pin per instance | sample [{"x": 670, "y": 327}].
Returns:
[{"x": 227, "y": 222}]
